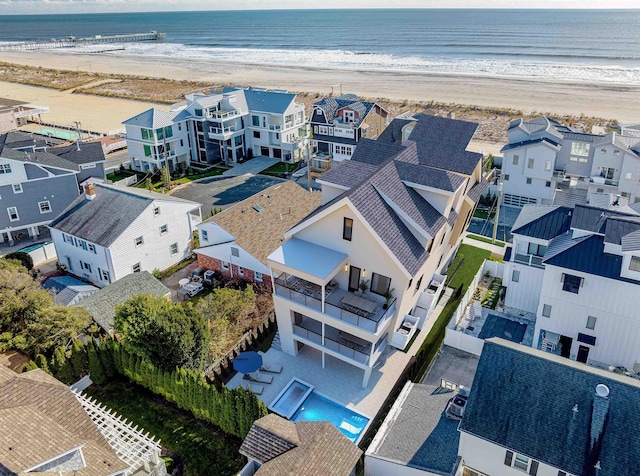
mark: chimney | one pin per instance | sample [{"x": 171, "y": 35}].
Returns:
[
  {"x": 599, "y": 416},
  {"x": 78, "y": 145},
  {"x": 90, "y": 191}
]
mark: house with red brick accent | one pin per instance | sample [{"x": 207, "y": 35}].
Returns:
[{"x": 237, "y": 241}]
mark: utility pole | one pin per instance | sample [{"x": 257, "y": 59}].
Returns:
[
  {"x": 498, "y": 199},
  {"x": 308, "y": 164}
]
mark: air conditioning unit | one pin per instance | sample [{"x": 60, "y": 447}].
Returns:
[{"x": 457, "y": 405}]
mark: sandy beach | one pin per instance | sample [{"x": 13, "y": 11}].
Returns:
[{"x": 611, "y": 101}]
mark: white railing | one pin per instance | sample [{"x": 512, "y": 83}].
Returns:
[
  {"x": 222, "y": 115},
  {"x": 33, "y": 111},
  {"x": 107, "y": 149}
]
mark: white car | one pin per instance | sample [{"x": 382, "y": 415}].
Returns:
[{"x": 191, "y": 289}]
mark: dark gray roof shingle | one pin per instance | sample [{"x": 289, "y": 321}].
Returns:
[
  {"x": 331, "y": 106},
  {"x": 522, "y": 399},
  {"x": 348, "y": 173},
  {"x": 40, "y": 158},
  {"x": 527, "y": 143},
  {"x": 84, "y": 153},
  {"x": 429, "y": 177},
  {"x": 374, "y": 152}
]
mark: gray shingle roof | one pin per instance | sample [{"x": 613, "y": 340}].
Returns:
[
  {"x": 67, "y": 288},
  {"x": 522, "y": 399},
  {"x": 588, "y": 256},
  {"x": 89, "y": 152},
  {"x": 19, "y": 139},
  {"x": 102, "y": 305},
  {"x": 444, "y": 131},
  {"x": 374, "y": 152},
  {"x": 348, "y": 173},
  {"x": 547, "y": 226},
  {"x": 102, "y": 219},
  {"x": 40, "y": 158},
  {"x": 393, "y": 132},
  {"x": 151, "y": 119},
  {"x": 429, "y": 177},
  {"x": 419, "y": 434},
  {"x": 331, "y": 106},
  {"x": 477, "y": 190},
  {"x": 527, "y": 143}
]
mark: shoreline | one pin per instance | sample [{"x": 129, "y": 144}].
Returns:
[{"x": 606, "y": 100}]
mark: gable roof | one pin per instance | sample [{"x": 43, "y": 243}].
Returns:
[
  {"x": 393, "y": 132},
  {"x": 593, "y": 219},
  {"x": 102, "y": 220},
  {"x": 374, "y": 152},
  {"x": 330, "y": 106},
  {"x": 39, "y": 158},
  {"x": 588, "y": 256},
  {"x": 66, "y": 288},
  {"x": 523, "y": 399},
  {"x": 617, "y": 228},
  {"x": 19, "y": 139},
  {"x": 259, "y": 233},
  {"x": 554, "y": 222},
  {"x": 151, "y": 119},
  {"x": 267, "y": 101},
  {"x": 80, "y": 153},
  {"x": 42, "y": 419},
  {"x": 418, "y": 433},
  {"x": 348, "y": 173},
  {"x": 314, "y": 448},
  {"x": 527, "y": 143},
  {"x": 102, "y": 304}
]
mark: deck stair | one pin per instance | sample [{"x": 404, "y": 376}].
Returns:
[{"x": 275, "y": 343}]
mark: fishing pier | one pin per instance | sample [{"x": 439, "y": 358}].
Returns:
[{"x": 72, "y": 41}]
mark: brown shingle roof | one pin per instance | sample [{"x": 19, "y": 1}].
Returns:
[
  {"x": 259, "y": 233},
  {"x": 310, "y": 448},
  {"x": 44, "y": 405}
]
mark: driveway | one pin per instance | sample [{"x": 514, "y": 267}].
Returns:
[
  {"x": 253, "y": 166},
  {"x": 222, "y": 192}
]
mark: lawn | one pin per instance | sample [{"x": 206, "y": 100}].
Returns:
[
  {"x": 119, "y": 175},
  {"x": 280, "y": 168},
  {"x": 158, "y": 184},
  {"x": 485, "y": 239},
  {"x": 483, "y": 213},
  {"x": 202, "y": 448},
  {"x": 473, "y": 259}
]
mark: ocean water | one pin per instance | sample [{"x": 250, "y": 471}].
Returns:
[{"x": 578, "y": 45}]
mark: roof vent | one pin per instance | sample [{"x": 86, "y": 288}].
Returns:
[
  {"x": 602, "y": 390},
  {"x": 258, "y": 208}
]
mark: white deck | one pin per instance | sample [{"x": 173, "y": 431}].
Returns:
[{"x": 340, "y": 381}]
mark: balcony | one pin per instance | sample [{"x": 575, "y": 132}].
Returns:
[
  {"x": 275, "y": 127},
  {"x": 529, "y": 260},
  {"x": 335, "y": 340},
  {"x": 360, "y": 311},
  {"x": 223, "y": 115}
]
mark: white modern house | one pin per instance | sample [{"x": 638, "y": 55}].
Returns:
[
  {"x": 546, "y": 163},
  {"x": 224, "y": 126},
  {"x": 111, "y": 232},
  {"x": 362, "y": 271},
  {"x": 535, "y": 413}
]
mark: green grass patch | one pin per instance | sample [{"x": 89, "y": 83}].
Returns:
[
  {"x": 485, "y": 239},
  {"x": 209, "y": 173},
  {"x": 280, "y": 168},
  {"x": 119, "y": 175},
  {"x": 483, "y": 214},
  {"x": 203, "y": 449},
  {"x": 473, "y": 259}
]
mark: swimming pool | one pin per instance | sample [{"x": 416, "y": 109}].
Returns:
[
  {"x": 300, "y": 402},
  {"x": 34, "y": 247},
  {"x": 57, "y": 133}
]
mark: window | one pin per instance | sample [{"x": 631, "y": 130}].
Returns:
[
  {"x": 547, "y": 184},
  {"x": 17, "y": 188},
  {"x": 147, "y": 151},
  {"x": 515, "y": 276},
  {"x": 45, "y": 207},
  {"x": 380, "y": 284},
  {"x": 580, "y": 148},
  {"x": 531, "y": 163},
  {"x": 258, "y": 277},
  {"x": 347, "y": 229},
  {"x": 521, "y": 462},
  {"x": 13, "y": 214},
  {"x": 256, "y": 134},
  {"x": 349, "y": 116},
  {"x": 537, "y": 250},
  {"x": 562, "y": 473},
  {"x": 634, "y": 265},
  {"x": 136, "y": 268},
  {"x": 528, "y": 181},
  {"x": 92, "y": 248},
  {"x": 255, "y": 120},
  {"x": 315, "y": 129},
  {"x": 516, "y": 159},
  {"x": 241, "y": 271},
  {"x": 181, "y": 143},
  {"x": 546, "y": 310},
  {"x": 571, "y": 283},
  {"x": 616, "y": 152},
  {"x": 547, "y": 166},
  {"x": 506, "y": 177},
  {"x": 105, "y": 275},
  {"x": 343, "y": 149},
  {"x": 324, "y": 130},
  {"x": 147, "y": 134},
  {"x": 205, "y": 235},
  {"x": 419, "y": 282},
  {"x": 82, "y": 244},
  {"x": 180, "y": 128},
  {"x": 164, "y": 229},
  {"x": 591, "y": 322},
  {"x": 138, "y": 241},
  {"x": 225, "y": 265},
  {"x": 85, "y": 266},
  {"x": 198, "y": 112},
  {"x": 173, "y": 249},
  {"x": 607, "y": 172},
  {"x": 5, "y": 168},
  {"x": 628, "y": 175},
  {"x": 156, "y": 211}
]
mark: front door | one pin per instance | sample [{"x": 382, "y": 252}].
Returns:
[
  {"x": 583, "y": 354},
  {"x": 354, "y": 278}
]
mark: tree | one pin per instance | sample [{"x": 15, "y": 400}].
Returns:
[
  {"x": 148, "y": 183},
  {"x": 169, "y": 335},
  {"x": 22, "y": 257},
  {"x": 78, "y": 359},
  {"x": 96, "y": 371},
  {"x": 166, "y": 178},
  {"x": 231, "y": 305}
]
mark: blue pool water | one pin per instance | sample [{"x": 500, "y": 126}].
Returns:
[
  {"x": 34, "y": 247},
  {"x": 318, "y": 408}
]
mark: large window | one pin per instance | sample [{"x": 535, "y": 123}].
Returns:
[
  {"x": 531, "y": 163},
  {"x": 147, "y": 134},
  {"x": 607, "y": 172},
  {"x": 571, "y": 283},
  {"x": 147, "y": 151},
  {"x": 634, "y": 265},
  {"x": 580, "y": 148},
  {"x": 537, "y": 250},
  {"x": 347, "y": 229},
  {"x": 256, "y": 134},
  {"x": 380, "y": 284}
]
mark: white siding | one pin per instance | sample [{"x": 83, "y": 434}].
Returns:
[
  {"x": 525, "y": 293},
  {"x": 17, "y": 174},
  {"x": 518, "y": 174}
]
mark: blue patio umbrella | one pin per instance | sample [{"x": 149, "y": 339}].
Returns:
[{"x": 247, "y": 362}]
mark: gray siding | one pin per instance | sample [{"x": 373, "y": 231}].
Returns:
[
  {"x": 60, "y": 191},
  {"x": 34, "y": 172},
  {"x": 97, "y": 171}
]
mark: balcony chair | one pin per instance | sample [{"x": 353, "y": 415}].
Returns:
[
  {"x": 271, "y": 368},
  {"x": 258, "y": 377}
]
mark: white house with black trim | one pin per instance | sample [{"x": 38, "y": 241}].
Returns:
[{"x": 111, "y": 232}]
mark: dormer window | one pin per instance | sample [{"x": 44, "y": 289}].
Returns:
[
  {"x": 634, "y": 265},
  {"x": 349, "y": 116}
]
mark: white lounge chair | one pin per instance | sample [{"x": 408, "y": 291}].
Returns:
[
  {"x": 257, "y": 389},
  {"x": 258, "y": 377},
  {"x": 271, "y": 368}
]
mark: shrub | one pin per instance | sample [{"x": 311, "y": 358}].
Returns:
[{"x": 23, "y": 257}]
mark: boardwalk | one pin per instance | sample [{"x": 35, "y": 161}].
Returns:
[{"x": 72, "y": 41}]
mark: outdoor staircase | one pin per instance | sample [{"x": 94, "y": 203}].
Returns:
[{"x": 275, "y": 343}]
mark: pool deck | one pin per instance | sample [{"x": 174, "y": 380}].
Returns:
[{"x": 340, "y": 381}]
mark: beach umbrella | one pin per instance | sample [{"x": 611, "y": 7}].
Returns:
[{"x": 247, "y": 362}]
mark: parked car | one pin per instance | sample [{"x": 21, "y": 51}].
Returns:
[
  {"x": 190, "y": 289},
  {"x": 197, "y": 274}
]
